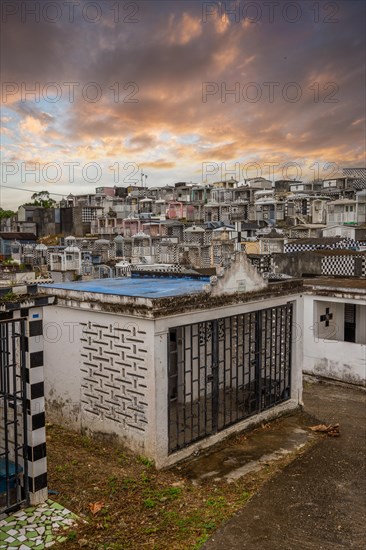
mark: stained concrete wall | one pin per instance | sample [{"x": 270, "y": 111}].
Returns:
[
  {"x": 241, "y": 277},
  {"x": 297, "y": 264},
  {"x": 300, "y": 264}
]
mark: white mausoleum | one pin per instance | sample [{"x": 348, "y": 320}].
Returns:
[{"x": 170, "y": 364}]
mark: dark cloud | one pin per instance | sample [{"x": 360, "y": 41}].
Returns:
[{"x": 169, "y": 54}]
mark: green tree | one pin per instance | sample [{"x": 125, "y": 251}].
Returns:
[
  {"x": 41, "y": 199},
  {"x": 6, "y": 214}
]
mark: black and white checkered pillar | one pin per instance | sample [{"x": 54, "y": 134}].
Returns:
[
  {"x": 30, "y": 308},
  {"x": 36, "y": 423}
]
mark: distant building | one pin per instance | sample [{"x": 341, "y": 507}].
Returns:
[
  {"x": 226, "y": 184},
  {"x": 358, "y": 175},
  {"x": 339, "y": 185},
  {"x": 283, "y": 186},
  {"x": 8, "y": 239},
  {"x": 341, "y": 211},
  {"x": 271, "y": 242}
]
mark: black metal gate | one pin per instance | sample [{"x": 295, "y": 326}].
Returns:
[
  {"x": 225, "y": 370},
  {"x": 13, "y": 434}
]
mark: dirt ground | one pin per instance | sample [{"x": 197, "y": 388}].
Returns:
[
  {"x": 312, "y": 497},
  {"x": 124, "y": 503},
  {"x": 319, "y": 500}
]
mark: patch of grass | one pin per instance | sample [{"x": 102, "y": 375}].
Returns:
[
  {"x": 86, "y": 441},
  {"x": 145, "y": 461},
  {"x": 201, "y": 541},
  {"x": 129, "y": 482},
  {"x": 9, "y": 297},
  {"x": 71, "y": 535},
  {"x": 192, "y": 520},
  {"x": 163, "y": 496},
  {"x": 172, "y": 492},
  {"x": 112, "y": 483},
  {"x": 245, "y": 495},
  {"x": 216, "y": 502},
  {"x": 149, "y": 503},
  {"x": 145, "y": 478},
  {"x": 151, "y": 530},
  {"x": 122, "y": 458}
]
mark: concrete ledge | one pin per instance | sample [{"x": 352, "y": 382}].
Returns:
[
  {"x": 315, "y": 378},
  {"x": 210, "y": 441}
]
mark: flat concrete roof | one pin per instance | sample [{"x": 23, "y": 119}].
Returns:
[
  {"x": 337, "y": 282},
  {"x": 137, "y": 286},
  {"x": 154, "y": 297}
]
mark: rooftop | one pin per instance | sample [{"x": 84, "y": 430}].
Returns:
[
  {"x": 318, "y": 240},
  {"x": 154, "y": 297},
  {"x": 18, "y": 236},
  {"x": 337, "y": 283},
  {"x": 310, "y": 226},
  {"x": 138, "y": 286}
]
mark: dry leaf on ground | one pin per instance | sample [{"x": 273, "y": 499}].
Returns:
[
  {"x": 96, "y": 507},
  {"x": 330, "y": 429}
]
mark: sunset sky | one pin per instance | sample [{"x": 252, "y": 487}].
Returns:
[{"x": 162, "y": 56}]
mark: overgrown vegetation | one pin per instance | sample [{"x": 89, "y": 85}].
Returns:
[
  {"x": 9, "y": 297},
  {"x": 13, "y": 266}
]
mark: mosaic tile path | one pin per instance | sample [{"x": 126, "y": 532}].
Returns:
[{"x": 36, "y": 528}]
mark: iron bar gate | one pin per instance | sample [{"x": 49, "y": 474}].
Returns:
[
  {"x": 13, "y": 434},
  {"x": 225, "y": 370}
]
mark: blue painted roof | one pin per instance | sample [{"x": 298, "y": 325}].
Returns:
[{"x": 145, "y": 287}]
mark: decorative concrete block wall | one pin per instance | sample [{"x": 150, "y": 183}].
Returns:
[
  {"x": 347, "y": 265},
  {"x": 99, "y": 377},
  {"x": 113, "y": 368},
  {"x": 344, "y": 265},
  {"x": 263, "y": 262},
  {"x": 307, "y": 247}
]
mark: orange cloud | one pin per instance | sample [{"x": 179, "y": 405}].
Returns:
[
  {"x": 358, "y": 121},
  {"x": 184, "y": 30},
  {"x": 32, "y": 125},
  {"x": 222, "y": 23},
  {"x": 161, "y": 164}
]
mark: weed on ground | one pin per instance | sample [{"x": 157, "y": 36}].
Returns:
[{"x": 123, "y": 502}]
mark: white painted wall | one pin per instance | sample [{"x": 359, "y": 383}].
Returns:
[
  {"x": 340, "y": 231},
  {"x": 325, "y": 352}
]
